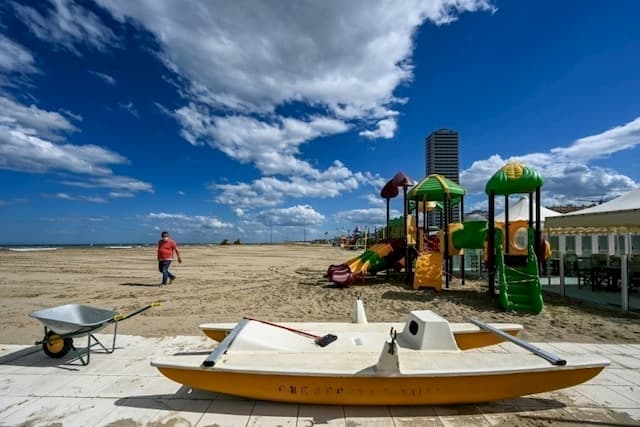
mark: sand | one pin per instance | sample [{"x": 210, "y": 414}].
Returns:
[{"x": 279, "y": 283}]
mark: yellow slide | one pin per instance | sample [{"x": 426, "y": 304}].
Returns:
[{"x": 428, "y": 272}]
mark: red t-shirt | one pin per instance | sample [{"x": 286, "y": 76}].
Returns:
[{"x": 165, "y": 250}]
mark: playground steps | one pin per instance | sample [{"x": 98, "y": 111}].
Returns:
[
  {"x": 521, "y": 289},
  {"x": 428, "y": 272}
]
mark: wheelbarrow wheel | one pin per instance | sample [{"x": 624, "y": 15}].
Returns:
[{"x": 55, "y": 346}]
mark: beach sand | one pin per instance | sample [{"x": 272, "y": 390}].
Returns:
[{"x": 278, "y": 283}]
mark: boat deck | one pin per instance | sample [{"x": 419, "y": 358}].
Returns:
[{"x": 123, "y": 389}]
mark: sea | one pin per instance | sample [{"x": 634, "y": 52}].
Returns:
[{"x": 55, "y": 247}]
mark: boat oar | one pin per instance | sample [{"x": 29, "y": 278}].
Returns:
[
  {"x": 550, "y": 357},
  {"x": 322, "y": 341}
]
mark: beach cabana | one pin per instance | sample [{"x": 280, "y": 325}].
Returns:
[
  {"x": 519, "y": 211},
  {"x": 618, "y": 217}
]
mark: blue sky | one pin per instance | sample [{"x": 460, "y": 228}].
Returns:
[{"x": 230, "y": 120}]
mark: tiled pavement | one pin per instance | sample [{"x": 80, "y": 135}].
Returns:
[{"x": 121, "y": 389}]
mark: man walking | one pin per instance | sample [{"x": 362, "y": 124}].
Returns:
[{"x": 166, "y": 248}]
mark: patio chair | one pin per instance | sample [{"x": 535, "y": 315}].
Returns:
[
  {"x": 614, "y": 270},
  {"x": 571, "y": 265},
  {"x": 599, "y": 275},
  {"x": 585, "y": 272}
]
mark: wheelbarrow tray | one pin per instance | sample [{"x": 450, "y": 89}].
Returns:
[
  {"x": 64, "y": 322},
  {"x": 74, "y": 319}
]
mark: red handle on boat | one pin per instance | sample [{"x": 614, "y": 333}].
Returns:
[
  {"x": 298, "y": 331},
  {"x": 322, "y": 341}
]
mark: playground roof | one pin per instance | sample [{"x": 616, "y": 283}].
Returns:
[
  {"x": 514, "y": 178},
  {"x": 390, "y": 189},
  {"x": 436, "y": 188},
  {"x": 431, "y": 205}
]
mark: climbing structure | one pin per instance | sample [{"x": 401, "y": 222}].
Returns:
[
  {"x": 435, "y": 191},
  {"x": 513, "y": 259}
]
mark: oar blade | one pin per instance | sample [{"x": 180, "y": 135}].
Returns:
[{"x": 326, "y": 340}]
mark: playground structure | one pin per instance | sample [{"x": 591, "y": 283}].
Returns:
[
  {"x": 357, "y": 239},
  {"x": 512, "y": 249}
]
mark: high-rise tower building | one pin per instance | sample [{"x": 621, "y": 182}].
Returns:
[{"x": 443, "y": 158}]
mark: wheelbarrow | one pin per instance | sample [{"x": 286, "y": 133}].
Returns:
[{"x": 64, "y": 322}]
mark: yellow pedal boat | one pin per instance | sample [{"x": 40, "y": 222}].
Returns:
[{"x": 422, "y": 364}]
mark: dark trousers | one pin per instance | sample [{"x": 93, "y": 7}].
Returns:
[{"x": 163, "y": 267}]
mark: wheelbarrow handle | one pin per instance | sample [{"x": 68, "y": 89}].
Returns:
[{"x": 119, "y": 317}]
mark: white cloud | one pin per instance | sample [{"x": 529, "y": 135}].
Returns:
[
  {"x": 568, "y": 176},
  {"x": 68, "y": 25},
  {"x": 299, "y": 215},
  {"x": 14, "y": 58},
  {"x": 120, "y": 194},
  {"x": 130, "y": 108},
  {"x": 235, "y": 69},
  {"x": 386, "y": 129},
  {"x": 20, "y": 151},
  {"x": 189, "y": 222},
  {"x": 33, "y": 140},
  {"x": 374, "y": 199},
  {"x": 370, "y": 216},
  {"x": 619, "y": 138},
  {"x": 70, "y": 197},
  {"x": 271, "y": 191},
  {"x": 33, "y": 120},
  {"x": 104, "y": 77},
  {"x": 272, "y": 147},
  {"x": 239, "y": 212},
  {"x": 350, "y": 57},
  {"x": 112, "y": 181}
]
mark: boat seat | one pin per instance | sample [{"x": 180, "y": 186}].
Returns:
[{"x": 425, "y": 330}]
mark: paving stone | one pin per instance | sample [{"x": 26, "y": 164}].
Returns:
[
  {"x": 267, "y": 414},
  {"x": 629, "y": 375},
  {"x": 605, "y": 396},
  {"x": 573, "y": 397},
  {"x": 415, "y": 416},
  {"x": 227, "y": 413},
  {"x": 320, "y": 415},
  {"x": 373, "y": 416},
  {"x": 177, "y": 412},
  {"x": 66, "y": 411},
  {"x": 601, "y": 416},
  {"x": 610, "y": 376},
  {"x": 553, "y": 416},
  {"x": 622, "y": 361},
  {"x": 629, "y": 391},
  {"x": 11, "y": 404}
]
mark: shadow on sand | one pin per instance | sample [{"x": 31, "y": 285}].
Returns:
[{"x": 151, "y": 285}]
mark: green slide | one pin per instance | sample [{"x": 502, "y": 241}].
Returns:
[{"x": 520, "y": 288}]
